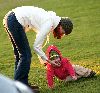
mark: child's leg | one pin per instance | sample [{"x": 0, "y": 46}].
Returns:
[
  {"x": 68, "y": 78},
  {"x": 81, "y": 71}
]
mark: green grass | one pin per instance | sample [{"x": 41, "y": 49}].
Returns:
[{"x": 82, "y": 46}]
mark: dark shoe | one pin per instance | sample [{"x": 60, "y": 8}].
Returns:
[
  {"x": 35, "y": 89},
  {"x": 92, "y": 73}
]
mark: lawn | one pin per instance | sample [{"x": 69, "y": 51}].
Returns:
[{"x": 82, "y": 46}]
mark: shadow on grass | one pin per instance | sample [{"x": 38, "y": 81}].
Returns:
[{"x": 83, "y": 85}]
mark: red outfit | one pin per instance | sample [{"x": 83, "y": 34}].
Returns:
[{"x": 61, "y": 72}]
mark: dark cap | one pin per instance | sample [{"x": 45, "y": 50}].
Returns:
[{"x": 66, "y": 24}]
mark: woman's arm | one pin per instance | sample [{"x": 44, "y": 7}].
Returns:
[{"x": 40, "y": 37}]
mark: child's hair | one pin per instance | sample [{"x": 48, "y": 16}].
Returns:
[{"x": 53, "y": 55}]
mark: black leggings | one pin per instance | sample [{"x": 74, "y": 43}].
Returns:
[{"x": 21, "y": 48}]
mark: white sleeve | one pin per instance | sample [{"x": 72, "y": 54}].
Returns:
[{"x": 40, "y": 37}]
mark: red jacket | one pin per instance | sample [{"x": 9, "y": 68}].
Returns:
[{"x": 61, "y": 72}]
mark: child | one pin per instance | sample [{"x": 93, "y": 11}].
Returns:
[{"x": 65, "y": 71}]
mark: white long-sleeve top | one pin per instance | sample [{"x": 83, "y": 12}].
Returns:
[{"x": 40, "y": 20}]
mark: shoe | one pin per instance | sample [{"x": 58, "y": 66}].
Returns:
[
  {"x": 35, "y": 89},
  {"x": 92, "y": 73}
]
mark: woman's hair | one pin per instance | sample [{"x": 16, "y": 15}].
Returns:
[{"x": 67, "y": 26}]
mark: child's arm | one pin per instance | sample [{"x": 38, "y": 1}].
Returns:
[{"x": 50, "y": 75}]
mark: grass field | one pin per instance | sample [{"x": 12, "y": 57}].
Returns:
[{"x": 82, "y": 46}]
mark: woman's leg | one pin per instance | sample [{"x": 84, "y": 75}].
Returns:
[
  {"x": 21, "y": 42},
  {"x": 16, "y": 54}
]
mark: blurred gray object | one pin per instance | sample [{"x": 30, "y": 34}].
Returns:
[{"x": 10, "y": 86}]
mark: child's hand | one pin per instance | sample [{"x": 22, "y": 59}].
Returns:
[
  {"x": 51, "y": 87},
  {"x": 74, "y": 77}
]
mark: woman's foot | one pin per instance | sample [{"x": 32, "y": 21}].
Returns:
[{"x": 34, "y": 88}]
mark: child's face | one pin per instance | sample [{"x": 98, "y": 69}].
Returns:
[
  {"x": 57, "y": 61},
  {"x": 54, "y": 56}
]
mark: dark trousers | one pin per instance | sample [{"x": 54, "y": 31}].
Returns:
[{"x": 21, "y": 49}]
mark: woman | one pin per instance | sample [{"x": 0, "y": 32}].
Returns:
[{"x": 16, "y": 23}]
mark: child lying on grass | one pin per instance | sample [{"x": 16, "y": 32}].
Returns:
[{"x": 66, "y": 71}]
